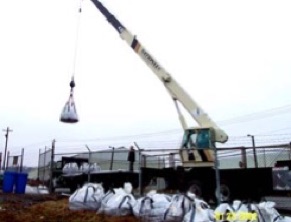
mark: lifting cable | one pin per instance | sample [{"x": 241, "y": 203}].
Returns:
[{"x": 69, "y": 113}]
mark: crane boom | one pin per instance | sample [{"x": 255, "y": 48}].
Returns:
[{"x": 175, "y": 90}]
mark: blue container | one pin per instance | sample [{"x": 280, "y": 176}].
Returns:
[
  {"x": 20, "y": 184},
  {"x": 9, "y": 181}
]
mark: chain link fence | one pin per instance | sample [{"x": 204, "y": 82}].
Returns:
[
  {"x": 109, "y": 159},
  {"x": 15, "y": 162},
  {"x": 44, "y": 166},
  {"x": 116, "y": 159},
  {"x": 249, "y": 157},
  {"x": 233, "y": 157}
]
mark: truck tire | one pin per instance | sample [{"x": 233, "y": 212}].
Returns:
[
  {"x": 225, "y": 193},
  {"x": 196, "y": 188}
]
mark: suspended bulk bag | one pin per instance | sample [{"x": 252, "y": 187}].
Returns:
[{"x": 69, "y": 113}]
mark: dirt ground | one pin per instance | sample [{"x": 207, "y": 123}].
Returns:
[{"x": 47, "y": 208}]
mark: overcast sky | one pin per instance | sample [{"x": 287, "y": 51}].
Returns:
[{"x": 232, "y": 57}]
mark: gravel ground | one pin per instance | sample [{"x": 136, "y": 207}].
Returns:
[{"x": 47, "y": 208}]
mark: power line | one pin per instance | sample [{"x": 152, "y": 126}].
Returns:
[
  {"x": 179, "y": 130},
  {"x": 144, "y": 136},
  {"x": 167, "y": 132},
  {"x": 32, "y": 144},
  {"x": 257, "y": 115}
]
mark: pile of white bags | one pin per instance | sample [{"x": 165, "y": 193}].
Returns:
[
  {"x": 87, "y": 197},
  {"x": 156, "y": 207},
  {"x": 118, "y": 202},
  {"x": 71, "y": 169},
  {"x": 92, "y": 168}
]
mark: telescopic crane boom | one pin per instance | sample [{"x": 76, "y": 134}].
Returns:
[{"x": 200, "y": 140}]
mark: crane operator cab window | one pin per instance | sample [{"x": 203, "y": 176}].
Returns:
[{"x": 197, "y": 142}]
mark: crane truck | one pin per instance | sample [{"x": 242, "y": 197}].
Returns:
[
  {"x": 199, "y": 171},
  {"x": 198, "y": 145}
]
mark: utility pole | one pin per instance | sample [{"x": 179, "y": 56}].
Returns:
[
  {"x": 7, "y": 130},
  {"x": 254, "y": 150}
]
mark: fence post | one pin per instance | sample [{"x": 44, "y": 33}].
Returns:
[
  {"x": 112, "y": 157},
  {"x": 44, "y": 166},
  {"x": 39, "y": 154},
  {"x": 51, "y": 167},
  {"x": 254, "y": 150},
  {"x": 21, "y": 163},
  {"x": 244, "y": 158},
  {"x": 140, "y": 173},
  {"x": 217, "y": 176},
  {"x": 89, "y": 163},
  {"x": 144, "y": 159}
]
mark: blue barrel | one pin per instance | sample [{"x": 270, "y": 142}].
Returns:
[
  {"x": 9, "y": 181},
  {"x": 20, "y": 184}
]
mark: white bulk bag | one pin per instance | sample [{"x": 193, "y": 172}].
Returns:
[
  {"x": 69, "y": 113},
  {"x": 268, "y": 211},
  {"x": 30, "y": 189},
  {"x": 87, "y": 197},
  {"x": 118, "y": 201},
  {"x": 179, "y": 206},
  {"x": 237, "y": 211},
  {"x": 152, "y": 207},
  {"x": 200, "y": 212}
]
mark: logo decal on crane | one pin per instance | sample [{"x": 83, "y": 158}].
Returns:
[{"x": 150, "y": 59}]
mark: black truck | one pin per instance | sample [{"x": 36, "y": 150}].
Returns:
[{"x": 242, "y": 183}]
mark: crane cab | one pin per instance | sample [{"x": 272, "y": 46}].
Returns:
[{"x": 197, "y": 148}]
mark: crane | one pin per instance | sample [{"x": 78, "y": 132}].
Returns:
[{"x": 198, "y": 142}]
